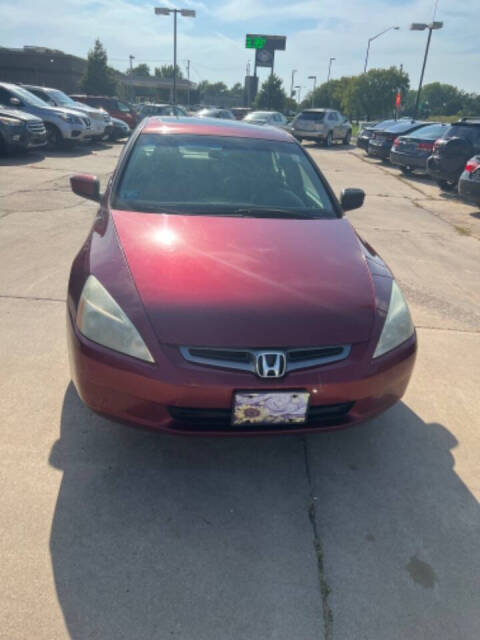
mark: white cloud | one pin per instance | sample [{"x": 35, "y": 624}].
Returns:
[{"x": 214, "y": 40}]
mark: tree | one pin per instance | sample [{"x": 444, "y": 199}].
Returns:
[
  {"x": 98, "y": 77},
  {"x": 142, "y": 71},
  {"x": 372, "y": 95},
  {"x": 271, "y": 95},
  {"x": 166, "y": 72}
]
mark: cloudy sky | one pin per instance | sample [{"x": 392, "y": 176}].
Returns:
[{"x": 214, "y": 41}]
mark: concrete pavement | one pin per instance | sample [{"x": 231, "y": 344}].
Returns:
[{"x": 116, "y": 533}]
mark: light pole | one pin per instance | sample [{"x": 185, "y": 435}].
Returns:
[
  {"x": 294, "y": 71},
  {"x": 421, "y": 26},
  {"x": 186, "y": 13},
  {"x": 314, "y": 78},
  {"x": 371, "y": 40},
  {"x": 299, "y": 89},
  {"x": 330, "y": 68}
]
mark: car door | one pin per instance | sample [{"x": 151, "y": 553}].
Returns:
[
  {"x": 342, "y": 126},
  {"x": 333, "y": 124}
]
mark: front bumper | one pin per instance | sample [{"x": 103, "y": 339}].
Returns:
[
  {"x": 405, "y": 160},
  {"x": 380, "y": 151},
  {"x": 149, "y": 395},
  {"x": 362, "y": 142},
  {"x": 308, "y": 134}
]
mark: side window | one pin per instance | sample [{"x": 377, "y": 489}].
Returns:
[
  {"x": 5, "y": 96},
  {"x": 122, "y": 107},
  {"x": 331, "y": 116}
]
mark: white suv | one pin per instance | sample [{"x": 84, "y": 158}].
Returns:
[
  {"x": 63, "y": 125},
  {"x": 322, "y": 125},
  {"x": 100, "y": 119}
]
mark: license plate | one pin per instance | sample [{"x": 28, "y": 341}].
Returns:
[{"x": 270, "y": 407}]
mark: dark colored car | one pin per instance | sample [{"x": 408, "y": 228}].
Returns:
[
  {"x": 469, "y": 183},
  {"x": 411, "y": 152},
  {"x": 222, "y": 290},
  {"x": 119, "y": 129},
  {"x": 381, "y": 140},
  {"x": 450, "y": 153},
  {"x": 115, "y": 107},
  {"x": 20, "y": 131},
  {"x": 161, "y": 110}
]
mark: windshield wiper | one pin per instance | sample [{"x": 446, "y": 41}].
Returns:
[{"x": 258, "y": 212}]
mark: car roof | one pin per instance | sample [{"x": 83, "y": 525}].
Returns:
[{"x": 213, "y": 127}]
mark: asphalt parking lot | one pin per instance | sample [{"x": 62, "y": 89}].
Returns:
[{"x": 115, "y": 533}]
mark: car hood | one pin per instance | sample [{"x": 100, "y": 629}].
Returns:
[
  {"x": 248, "y": 282},
  {"x": 21, "y": 115}
]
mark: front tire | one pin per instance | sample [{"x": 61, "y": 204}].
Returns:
[
  {"x": 54, "y": 137},
  {"x": 329, "y": 139},
  {"x": 348, "y": 137},
  {"x": 447, "y": 185}
]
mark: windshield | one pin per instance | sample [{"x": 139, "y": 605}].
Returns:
[
  {"x": 61, "y": 98},
  {"x": 463, "y": 131},
  {"x": 223, "y": 176},
  {"x": 27, "y": 97}
]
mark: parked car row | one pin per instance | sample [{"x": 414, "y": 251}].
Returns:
[
  {"x": 449, "y": 153},
  {"x": 32, "y": 116}
]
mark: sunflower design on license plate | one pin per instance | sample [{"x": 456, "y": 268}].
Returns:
[{"x": 280, "y": 407}]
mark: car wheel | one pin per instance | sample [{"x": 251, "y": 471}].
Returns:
[
  {"x": 447, "y": 185},
  {"x": 348, "y": 137},
  {"x": 54, "y": 137},
  {"x": 406, "y": 170},
  {"x": 329, "y": 139}
]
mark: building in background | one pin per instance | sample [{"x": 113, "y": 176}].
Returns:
[
  {"x": 42, "y": 66},
  {"x": 53, "y": 68}
]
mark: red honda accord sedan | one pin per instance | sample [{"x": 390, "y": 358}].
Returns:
[{"x": 221, "y": 290}]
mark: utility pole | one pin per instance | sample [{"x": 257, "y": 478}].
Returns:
[
  {"x": 187, "y": 13},
  {"x": 188, "y": 88},
  {"x": 421, "y": 26},
  {"x": 294, "y": 71},
  {"x": 330, "y": 68},
  {"x": 132, "y": 88}
]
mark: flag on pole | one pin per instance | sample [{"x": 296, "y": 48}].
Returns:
[{"x": 398, "y": 100}]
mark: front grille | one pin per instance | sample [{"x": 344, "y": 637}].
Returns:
[
  {"x": 245, "y": 359},
  {"x": 86, "y": 122},
  {"x": 321, "y": 416},
  {"x": 37, "y": 128}
]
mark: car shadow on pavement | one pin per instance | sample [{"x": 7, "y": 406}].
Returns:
[
  {"x": 334, "y": 147},
  {"x": 156, "y": 536},
  {"x": 19, "y": 159},
  {"x": 399, "y": 530}
]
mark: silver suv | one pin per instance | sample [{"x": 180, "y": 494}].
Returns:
[
  {"x": 54, "y": 97},
  {"x": 322, "y": 125},
  {"x": 63, "y": 125}
]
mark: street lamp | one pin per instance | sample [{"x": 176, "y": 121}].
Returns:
[
  {"x": 294, "y": 71},
  {"x": 186, "y": 13},
  {"x": 299, "y": 89},
  {"x": 374, "y": 38},
  {"x": 330, "y": 68},
  {"x": 421, "y": 26},
  {"x": 314, "y": 78}
]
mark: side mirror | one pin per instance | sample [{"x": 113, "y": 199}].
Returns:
[
  {"x": 86, "y": 186},
  {"x": 352, "y": 199},
  {"x": 15, "y": 102}
]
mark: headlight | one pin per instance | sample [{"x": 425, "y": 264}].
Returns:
[
  {"x": 102, "y": 320},
  {"x": 398, "y": 325},
  {"x": 10, "y": 122},
  {"x": 66, "y": 117}
]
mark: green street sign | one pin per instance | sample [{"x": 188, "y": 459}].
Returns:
[{"x": 255, "y": 42}]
